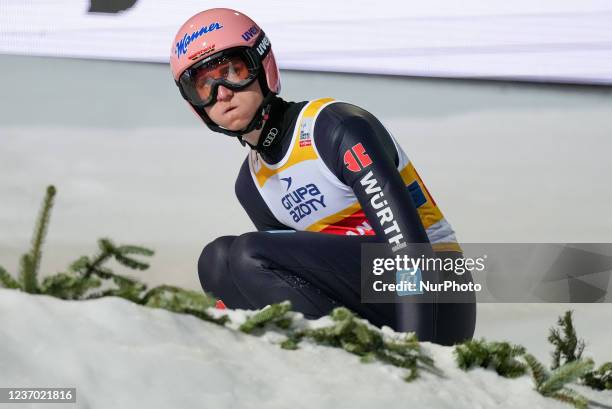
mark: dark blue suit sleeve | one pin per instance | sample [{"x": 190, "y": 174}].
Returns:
[{"x": 357, "y": 148}]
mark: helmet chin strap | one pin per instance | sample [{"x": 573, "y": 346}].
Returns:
[
  {"x": 258, "y": 121},
  {"x": 261, "y": 115}
]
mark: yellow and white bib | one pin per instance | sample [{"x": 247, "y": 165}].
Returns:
[{"x": 304, "y": 194}]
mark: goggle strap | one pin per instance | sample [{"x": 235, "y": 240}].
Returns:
[{"x": 262, "y": 46}]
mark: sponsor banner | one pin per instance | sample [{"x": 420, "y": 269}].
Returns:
[
  {"x": 562, "y": 41},
  {"x": 491, "y": 272}
]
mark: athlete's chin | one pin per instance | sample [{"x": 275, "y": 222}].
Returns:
[
  {"x": 236, "y": 126},
  {"x": 237, "y": 123}
]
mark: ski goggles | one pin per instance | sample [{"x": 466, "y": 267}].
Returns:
[{"x": 234, "y": 69}]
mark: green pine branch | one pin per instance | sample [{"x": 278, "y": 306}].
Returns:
[
  {"x": 7, "y": 281},
  {"x": 552, "y": 384},
  {"x": 27, "y": 276},
  {"x": 79, "y": 265},
  {"x": 127, "y": 250},
  {"x": 572, "y": 397},
  {"x": 355, "y": 336},
  {"x": 94, "y": 264},
  {"x": 568, "y": 347},
  {"x": 122, "y": 255},
  {"x": 130, "y": 262},
  {"x": 539, "y": 373},
  {"x": 182, "y": 301},
  {"x": 271, "y": 313},
  {"x": 601, "y": 378},
  {"x": 127, "y": 288},
  {"x": 30, "y": 262},
  {"x": 566, "y": 373},
  {"x": 42, "y": 226},
  {"x": 68, "y": 286},
  {"x": 500, "y": 356},
  {"x": 84, "y": 274}
]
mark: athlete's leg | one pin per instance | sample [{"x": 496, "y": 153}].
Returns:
[
  {"x": 318, "y": 272},
  {"x": 455, "y": 321},
  {"x": 451, "y": 316},
  {"x": 315, "y": 271},
  {"x": 214, "y": 273}
]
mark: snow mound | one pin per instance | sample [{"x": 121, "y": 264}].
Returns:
[{"x": 121, "y": 355}]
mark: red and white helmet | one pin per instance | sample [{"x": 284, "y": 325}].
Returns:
[{"x": 223, "y": 37}]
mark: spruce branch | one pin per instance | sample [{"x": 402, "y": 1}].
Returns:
[
  {"x": 120, "y": 253},
  {"x": 203, "y": 315},
  {"x": 538, "y": 371},
  {"x": 30, "y": 262},
  {"x": 572, "y": 397},
  {"x": 601, "y": 378},
  {"x": 93, "y": 265},
  {"x": 291, "y": 343},
  {"x": 564, "y": 374},
  {"x": 552, "y": 384},
  {"x": 130, "y": 262},
  {"x": 182, "y": 301},
  {"x": 42, "y": 226},
  {"x": 355, "y": 336},
  {"x": 106, "y": 245},
  {"x": 104, "y": 273},
  {"x": 27, "y": 277},
  {"x": 68, "y": 286},
  {"x": 501, "y": 356},
  {"x": 175, "y": 298},
  {"x": 128, "y": 249},
  {"x": 568, "y": 347},
  {"x": 79, "y": 265},
  {"x": 7, "y": 281},
  {"x": 271, "y": 313},
  {"x": 128, "y": 288}
]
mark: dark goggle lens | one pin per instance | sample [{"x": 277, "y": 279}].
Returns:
[{"x": 234, "y": 71}]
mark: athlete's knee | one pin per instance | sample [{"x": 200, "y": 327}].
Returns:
[
  {"x": 213, "y": 264},
  {"x": 245, "y": 254}
]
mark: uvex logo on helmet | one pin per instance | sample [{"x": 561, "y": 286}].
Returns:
[
  {"x": 250, "y": 33},
  {"x": 263, "y": 46},
  {"x": 181, "y": 46}
]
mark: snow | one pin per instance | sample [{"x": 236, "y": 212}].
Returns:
[{"x": 121, "y": 355}]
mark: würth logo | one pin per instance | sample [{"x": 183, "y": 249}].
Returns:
[{"x": 356, "y": 158}]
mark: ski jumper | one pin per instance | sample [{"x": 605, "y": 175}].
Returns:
[{"x": 329, "y": 177}]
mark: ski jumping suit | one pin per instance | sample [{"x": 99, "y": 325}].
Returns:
[{"x": 328, "y": 177}]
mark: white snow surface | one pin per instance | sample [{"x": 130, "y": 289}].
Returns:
[{"x": 121, "y": 355}]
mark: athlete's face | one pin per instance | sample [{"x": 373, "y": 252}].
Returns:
[{"x": 234, "y": 110}]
